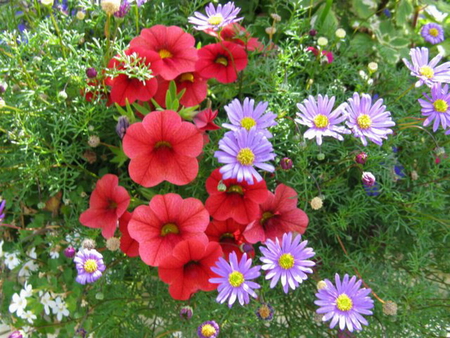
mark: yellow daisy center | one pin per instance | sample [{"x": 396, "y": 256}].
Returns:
[
  {"x": 433, "y": 32},
  {"x": 215, "y": 20},
  {"x": 321, "y": 121},
  {"x": 208, "y": 330},
  {"x": 248, "y": 123},
  {"x": 169, "y": 228},
  {"x": 237, "y": 189},
  {"x": 440, "y": 106},
  {"x": 90, "y": 265},
  {"x": 187, "y": 77},
  {"x": 164, "y": 53},
  {"x": 236, "y": 279},
  {"x": 344, "y": 303},
  {"x": 426, "y": 71},
  {"x": 222, "y": 60},
  {"x": 245, "y": 156},
  {"x": 364, "y": 121},
  {"x": 286, "y": 261}
]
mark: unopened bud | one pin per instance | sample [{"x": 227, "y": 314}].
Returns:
[
  {"x": 361, "y": 158},
  {"x": 286, "y": 163},
  {"x": 414, "y": 175},
  {"x": 276, "y": 17},
  {"x": 113, "y": 243},
  {"x": 88, "y": 244},
  {"x": 316, "y": 203},
  {"x": 340, "y": 33},
  {"x": 390, "y": 308},
  {"x": 62, "y": 95},
  {"x": 368, "y": 179},
  {"x": 122, "y": 126},
  {"x": 322, "y": 41},
  {"x": 69, "y": 252},
  {"x": 94, "y": 141},
  {"x": 271, "y": 30},
  {"x": 80, "y": 15},
  {"x": 91, "y": 73},
  {"x": 321, "y": 285},
  {"x": 186, "y": 312},
  {"x": 373, "y": 67}
]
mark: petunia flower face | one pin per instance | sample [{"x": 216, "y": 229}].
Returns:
[
  {"x": 235, "y": 33},
  {"x": 437, "y": 107},
  {"x": 128, "y": 245},
  {"x": 427, "y": 72},
  {"x": 188, "y": 268},
  {"x": 165, "y": 222},
  {"x": 215, "y": 17},
  {"x": 229, "y": 198},
  {"x": 162, "y": 148},
  {"x": 321, "y": 119},
  {"x": 278, "y": 215},
  {"x": 174, "y": 46},
  {"x": 221, "y": 61},
  {"x": 368, "y": 121},
  {"x": 228, "y": 234},
  {"x": 107, "y": 204},
  {"x": 196, "y": 88}
]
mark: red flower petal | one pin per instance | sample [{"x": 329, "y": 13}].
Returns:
[{"x": 127, "y": 244}]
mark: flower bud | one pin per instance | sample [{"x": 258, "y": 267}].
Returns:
[
  {"x": 390, "y": 308},
  {"x": 94, "y": 141},
  {"x": 312, "y": 32},
  {"x": 80, "y": 15},
  {"x": 271, "y": 30},
  {"x": 286, "y": 163},
  {"x": 113, "y": 243},
  {"x": 47, "y": 2},
  {"x": 368, "y": 179},
  {"x": 340, "y": 33},
  {"x": 91, "y": 73},
  {"x": 321, "y": 156},
  {"x": 110, "y": 6},
  {"x": 321, "y": 285},
  {"x": 62, "y": 95},
  {"x": 221, "y": 186},
  {"x": 316, "y": 203},
  {"x": 275, "y": 17},
  {"x": 265, "y": 311},
  {"x": 322, "y": 41},
  {"x": 16, "y": 334},
  {"x": 2, "y": 103},
  {"x": 361, "y": 158},
  {"x": 414, "y": 175},
  {"x": 373, "y": 67},
  {"x": 88, "y": 244},
  {"x": 69, "y": 252},
  {"x": 186, "y": 312},
  {"x": 3, "y": 87},
  {"x": 122, "y": 126}
]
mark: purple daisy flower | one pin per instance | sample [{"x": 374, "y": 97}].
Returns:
[
  {"x": 437, "y": 107},
  {"x": 208, "y": 329},
  {"x": 234, "y": 279},
  {"x": 288, "y": 261},
  {"x": 344, "y": 303},
  {"x": 215, "y": 18},
  {"x": 245, "y": 116},
  {"x": 427, "y": 72},
  {"x": 89, "y": 263},
  {"x": 367, "y": 120},
  {"x": 2, "y": 210},
  {"x": 241, "y": 150},
  {"x": 320, "y": 119},
  {"x": 432, "y": 33}
]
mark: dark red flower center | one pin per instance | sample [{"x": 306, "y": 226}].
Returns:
[
  {"x": 187, "y": 77},
  {"x": 169, "y": 228},
  {"x": 223, "y": 60},
  {"x": 237, "y": 189},
  {"x": 266, "y": 216},
  {"x": 162, "y": 144},
  {"x": 112, "y": 204}
]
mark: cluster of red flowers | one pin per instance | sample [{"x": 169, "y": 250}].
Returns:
[{"x": 184, "y": 238}]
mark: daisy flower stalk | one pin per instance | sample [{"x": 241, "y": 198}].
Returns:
[
  {"x": 436, "y": 107},
  {"x": 234, "y": 281},
  {"x": 432, "y": 33},
  {"x": 215, "y": 18},
  {"x": 427, "y": 71},
  {"x": 243, "y": 150},
  {"x": 287, "y": 261},
  {"x": 320, "y": 118},
  {"x": 344, "y": 303},
  {"x": 246, "y": 116},
  {"x": 367, "y": 120}
]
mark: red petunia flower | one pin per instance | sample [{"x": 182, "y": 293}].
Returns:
[
  {"x": 162, "y": 148},
  {"x": 278, "y": 214},
  {"x": 188, "y": 268},
  {"x": 204, "y": 120},
  {"x": 107, "y": 204},
  {"x": 232, "y": 199},
  {"x": 167, "y": 220},
  {"x": 127, "y": 244},
  {"x": 221, "y": 61},
  {"x": 327, "y": 54},
  {"x": 125, "y": 88},
  {"x": 174, "y": 46},
  {"x": 228, "y": 234},
  {"x": 234, "y": 32}
]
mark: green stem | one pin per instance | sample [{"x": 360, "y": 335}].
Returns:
[
  {"x": 136, "y": 18},
  {"x": 405, "y": 92},
  {"x": 58, "y": 32},
  {"x": 107, "y": 35}
]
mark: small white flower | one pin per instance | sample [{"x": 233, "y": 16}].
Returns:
[
  {"x": 29, "y": 316},
  {"x": 11, "y": 260},
  {"x": 60, "y": 309},
  {"x": 28, "y": 268},
  {"x": 32, "y": 253},
  {"x": 48, "y": 303},
  {"x": 110, "y": 6},
  {"x": 27, "y": 290},
  {"x": 340, "y": 33},
  {"x": 18, "y": 304},
  {"x": 1, "y": 248},
  {"x": 54, "y": 254}
]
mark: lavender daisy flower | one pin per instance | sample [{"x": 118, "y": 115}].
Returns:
[
  {"x": 288, "y": 261},
  {"x": 2, "y": 210},
  {"x": 344, "y": 303},
  {"x": 208, "y": 329},
  {"x": 320, "y": 119},
  {"x": 432, "y": 33},
  {"x": 89, "y": 263},
  {"x": 241, "y": 151},
  {"x": 437, "y": 107},
  {"x": 245, "y": 116},
  {"x": 234, "y": 279},
  {"x": 215, "y": 18},
  {"x": 427, "y": 72},
  {"x": 367, "y": 120}
]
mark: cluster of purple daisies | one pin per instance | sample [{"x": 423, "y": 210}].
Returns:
[
  {"x": 364, "y": 119},
  {"x": 247, "y": 145}
]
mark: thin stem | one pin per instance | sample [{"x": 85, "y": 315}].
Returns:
[
  {"x": 136, "y": 18},
  {"x": 405, "y": 92},
  {"x": 58, "y": 32}
]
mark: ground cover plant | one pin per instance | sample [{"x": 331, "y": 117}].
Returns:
[{"x": 224, "y": 169}]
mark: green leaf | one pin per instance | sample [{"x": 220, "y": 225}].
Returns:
[
  {"x": 390, "y": 55},
  {"x": 364, "y": 9},
  {"x": 361, "y": 43},
  {"x": 141, "y": 109},
  {"x": 120, "y": 158},
  {"x": 403, "y": 11},
  {"x": 399, "y": 42}
]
